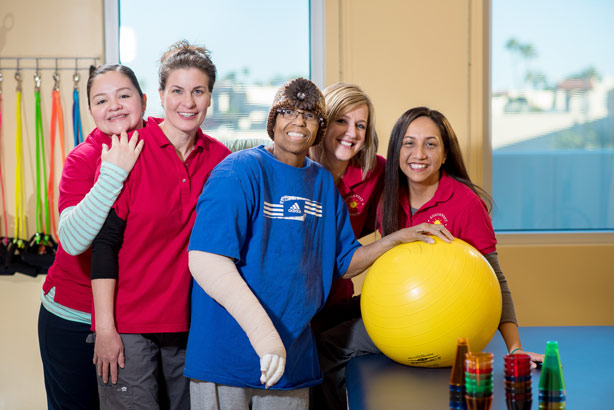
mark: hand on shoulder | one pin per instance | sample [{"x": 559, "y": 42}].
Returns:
[{"x": 123, "y": 152}]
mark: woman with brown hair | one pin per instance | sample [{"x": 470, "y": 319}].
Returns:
[
  {"x": 92, "y": 178},
  {"x": 426, "y": 183},
  {"x": 140, "y": 275}
]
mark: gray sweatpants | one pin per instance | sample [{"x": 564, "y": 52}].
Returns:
[{"x": 211, "y": 396}]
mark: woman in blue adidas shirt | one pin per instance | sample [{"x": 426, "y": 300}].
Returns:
[{"x": 271, "y": 234}]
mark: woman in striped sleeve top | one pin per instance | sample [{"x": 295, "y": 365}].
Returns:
[{"x": 93, "y": 177}]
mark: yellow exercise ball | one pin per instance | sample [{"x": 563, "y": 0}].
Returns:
[{"x": 419, "y": 298}]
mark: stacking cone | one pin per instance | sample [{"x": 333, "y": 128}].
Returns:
[
  {"x": 457, "y": 377},
  {"x": 551, "y": 383}
]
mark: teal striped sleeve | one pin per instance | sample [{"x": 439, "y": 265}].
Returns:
[{"x": 80, "y": 224}]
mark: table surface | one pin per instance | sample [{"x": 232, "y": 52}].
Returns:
[{"x": 375, "y": 382}]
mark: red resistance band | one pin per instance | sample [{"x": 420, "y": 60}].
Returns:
[{"x": 57, "y": 115}]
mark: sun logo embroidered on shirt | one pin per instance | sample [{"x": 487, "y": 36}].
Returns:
[
  {"x": 355, "y": 204},
  {"x": 437, "y": 218}
]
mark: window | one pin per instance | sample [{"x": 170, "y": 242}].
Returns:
[
  {"x": 552, "y": 115},
  {"x": 256, "y": 47}
]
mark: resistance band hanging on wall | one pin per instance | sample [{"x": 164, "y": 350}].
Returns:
[
  {"x": 41, "y": 248},
  {"x": 40, "y": 164},
  {"x": 18, "y": 253},
  {"x": 76, "y": 112},
  {"x": 16, "y": 248},
  {"x": 20, "y": 217},
  {"x": 5, "y": 223},
  {"x": 57, "y": 116},
  {"x": 4, "y": 240}
]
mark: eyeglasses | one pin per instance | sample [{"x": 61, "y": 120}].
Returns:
[{"x": 289, "y": 114}]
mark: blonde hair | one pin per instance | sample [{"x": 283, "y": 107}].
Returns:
[{"x": 341, "y": 98}]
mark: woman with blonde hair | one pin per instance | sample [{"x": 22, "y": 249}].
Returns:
[{"x": 349, "y": 152}]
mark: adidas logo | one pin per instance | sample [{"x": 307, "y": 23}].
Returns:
[{"x": 295, "y": 209}]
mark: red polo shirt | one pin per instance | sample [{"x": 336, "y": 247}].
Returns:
[
  {"x": 71, "y": 274},
  {"x": 158, "y": 204},
  {"x": 361, "y": 197},
  {"x": 459, "y": 209}
]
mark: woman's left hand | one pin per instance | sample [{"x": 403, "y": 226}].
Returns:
[{"x": 421, "y": 232}]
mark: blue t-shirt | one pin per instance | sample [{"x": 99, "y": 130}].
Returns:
[{"x": 290, "y": 235}]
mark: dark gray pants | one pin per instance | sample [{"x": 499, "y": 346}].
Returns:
[
  {"x": 336, "y": 347},
  {"x": 211, "y": 396},
  {"x": 152, "y": 377}
]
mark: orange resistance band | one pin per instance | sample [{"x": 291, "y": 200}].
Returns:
[{"x": 57, "y": 115}]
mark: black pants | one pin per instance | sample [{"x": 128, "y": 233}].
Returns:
[
  {"x": 70, "y": 375},
  {"x": 337, "y": 346},
  {"x": 326, "y": 322}
]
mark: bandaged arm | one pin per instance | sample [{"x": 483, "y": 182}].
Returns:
[{"x": 218, "y": 276}]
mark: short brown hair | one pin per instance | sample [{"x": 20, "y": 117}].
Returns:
[{"x": 185, "y": 55}]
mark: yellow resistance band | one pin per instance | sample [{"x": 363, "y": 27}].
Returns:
[{"x": 20, "y": 214}]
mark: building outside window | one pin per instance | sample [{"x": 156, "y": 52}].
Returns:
[{"x": 552, "y": 115}]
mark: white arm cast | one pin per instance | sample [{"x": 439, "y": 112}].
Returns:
[{"x": 218, "y": 276}]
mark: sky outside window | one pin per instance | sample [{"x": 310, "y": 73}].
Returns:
[{"x": 255, "y": 45}]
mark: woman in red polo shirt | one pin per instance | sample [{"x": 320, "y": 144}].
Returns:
[
  {"x": 92, "y": 178},
  {"x": 426, "y": 182},
  {"x": 140, "y": 275},
  {"x": 349, "y": 152}
]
